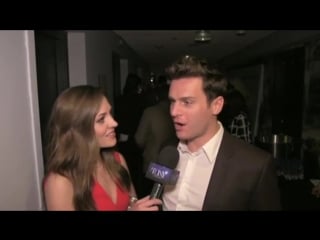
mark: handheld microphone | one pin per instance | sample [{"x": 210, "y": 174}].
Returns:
[{"x": 163, "y": 171}]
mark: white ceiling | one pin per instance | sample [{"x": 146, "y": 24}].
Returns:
[{"x": 160, "y": 47}]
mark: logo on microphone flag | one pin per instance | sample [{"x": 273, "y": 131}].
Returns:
[{"x": 162, "y": 174}]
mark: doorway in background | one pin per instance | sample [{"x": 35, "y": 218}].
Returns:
[{"x": 52, "y": 72}]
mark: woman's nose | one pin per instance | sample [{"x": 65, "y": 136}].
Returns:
[{"x": 114, "y": 122}]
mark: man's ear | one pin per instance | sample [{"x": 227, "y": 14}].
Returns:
[{"x": 217, "y": 105}]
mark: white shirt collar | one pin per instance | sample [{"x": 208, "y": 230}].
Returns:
[{"x": 209, "y": 148}]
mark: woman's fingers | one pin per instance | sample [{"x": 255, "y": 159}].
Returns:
[{"x": 147, "y": 204}]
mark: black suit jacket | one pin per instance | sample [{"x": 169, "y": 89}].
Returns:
[{"x": 244, "y": 178}]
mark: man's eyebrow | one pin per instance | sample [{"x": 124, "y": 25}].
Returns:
[{"x": 187, "y": 98}]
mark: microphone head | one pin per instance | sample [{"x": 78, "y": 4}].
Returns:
[
  {"x": 168, "y": 157},
  {"x": 163, "y": 170}
]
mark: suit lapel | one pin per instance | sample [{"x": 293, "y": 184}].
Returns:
[{"x": 215, "y": 187}]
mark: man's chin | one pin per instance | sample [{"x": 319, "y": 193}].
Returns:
[{"x": 182, "y": 138}]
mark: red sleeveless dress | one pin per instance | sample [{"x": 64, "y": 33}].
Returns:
[{"x": 104, "y": 202}]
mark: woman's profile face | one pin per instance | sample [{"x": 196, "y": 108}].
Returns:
[{"x": 104, "y": 125}]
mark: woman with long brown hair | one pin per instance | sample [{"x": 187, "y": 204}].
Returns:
[{"x": 84, "y": 171}]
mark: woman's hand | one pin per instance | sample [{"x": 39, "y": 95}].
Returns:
[{"x": 145, "y": 204}]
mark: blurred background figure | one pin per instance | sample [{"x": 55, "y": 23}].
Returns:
[
  {"x": 150, "y": 91},
  {"x": 235, "y": 116},
  {"x": 155, "y": 130},
  {"x": 128, "y": 110}
]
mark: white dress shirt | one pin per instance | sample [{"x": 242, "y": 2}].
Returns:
[{"x": 195, "y": 172}]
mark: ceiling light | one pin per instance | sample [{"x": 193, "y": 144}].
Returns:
[
  {"x": 202, "y": 36},
  {"x": 241, "y": 32}
]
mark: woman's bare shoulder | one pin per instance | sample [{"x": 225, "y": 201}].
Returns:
[
  {"x": 57, "y": 180},
  {"x": 58, "y": 192}
]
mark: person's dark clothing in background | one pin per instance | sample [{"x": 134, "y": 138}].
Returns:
[{"x": 128, "y": 110}]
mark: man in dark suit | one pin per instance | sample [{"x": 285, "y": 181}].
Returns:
[{"x": 217, "y": 170}]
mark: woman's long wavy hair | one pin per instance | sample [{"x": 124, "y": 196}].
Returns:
[{"x": 73, "y": 150}]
